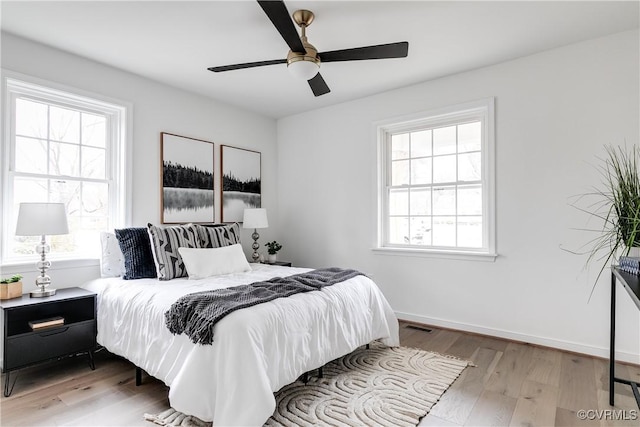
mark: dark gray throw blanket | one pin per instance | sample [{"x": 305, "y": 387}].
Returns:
[{"x": 196, "y": 314}]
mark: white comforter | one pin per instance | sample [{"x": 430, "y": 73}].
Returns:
[{"x": 256, "y": 351}]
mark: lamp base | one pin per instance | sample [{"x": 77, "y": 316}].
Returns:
[
  {"x": 42, "y": 293},
  {"x": 255, "y": 246}
]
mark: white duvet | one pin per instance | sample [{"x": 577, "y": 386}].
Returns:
[{"x": 256, "y": 351}]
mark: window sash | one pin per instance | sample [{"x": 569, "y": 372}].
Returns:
[
  {"x": 115, "y": 172},
  {"x": 482, "y": 112},
  {"x": 108, "y": 148}
]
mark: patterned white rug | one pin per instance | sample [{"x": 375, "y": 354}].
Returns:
[{"x": 379, "y": 386}]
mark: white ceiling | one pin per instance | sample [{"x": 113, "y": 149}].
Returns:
[{"x": 175, "y": 42}]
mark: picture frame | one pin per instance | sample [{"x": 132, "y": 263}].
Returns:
[
  {"x": 241, "y": 182},
  {"x": 187, "y": 191}
]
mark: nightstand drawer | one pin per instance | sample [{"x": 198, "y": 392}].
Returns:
[{"x": 33, "y": 347}]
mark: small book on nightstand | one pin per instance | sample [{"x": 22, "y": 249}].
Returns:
[{"x": 46, "y": 323}]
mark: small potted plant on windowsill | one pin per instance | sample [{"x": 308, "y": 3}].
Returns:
[{"x": 273, "y": 248}]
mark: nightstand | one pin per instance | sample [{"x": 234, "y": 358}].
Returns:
[
  {"x": 280, "y": 263},
  {"x": 24, "y": 346}
]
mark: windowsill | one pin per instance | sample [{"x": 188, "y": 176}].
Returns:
[
  {"x": 19, "y": 267},
  {"x": 429, "y": 253}
]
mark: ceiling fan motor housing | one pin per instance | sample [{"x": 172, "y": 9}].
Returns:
[
  {"x": 303, "y": 65},
  {"x": 311, "y": 54}
]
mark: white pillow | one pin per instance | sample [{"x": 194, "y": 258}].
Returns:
[
  {"x": 207, "y": 262},
  {"x": 112, "y": 261}
]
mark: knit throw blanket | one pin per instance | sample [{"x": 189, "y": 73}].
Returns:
[{"x": 196, "y": 314}]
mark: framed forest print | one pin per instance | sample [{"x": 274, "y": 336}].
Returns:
[
  {"x": 187, "y": 179},
  {"x": 241, "y": 185}
]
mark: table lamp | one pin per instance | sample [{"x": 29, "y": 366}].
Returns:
[
  {"x": 41, "y": 219},
  {"x": 255, "y": 218}
]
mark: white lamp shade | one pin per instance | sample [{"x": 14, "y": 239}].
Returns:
[
  {"x": 303, "y": 69},
  {"x": 39, "y": 219},
  {"x": 255, "y": 218}
]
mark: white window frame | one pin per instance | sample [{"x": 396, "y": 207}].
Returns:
[
  {"x": 118, "y": 169},
  {"x": 482, "y": 110}
]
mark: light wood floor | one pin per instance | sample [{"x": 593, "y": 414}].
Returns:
[{"x": 513, "y": 384}]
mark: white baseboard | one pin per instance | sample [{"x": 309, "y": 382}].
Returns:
[{"x": 547, "y": 342}]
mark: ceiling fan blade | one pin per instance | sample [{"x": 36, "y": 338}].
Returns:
[
  {"x": 381, "y": 51},
  {"x": 318, "y": 85},
  {"x": 279, "y": 16},
  {"x": 246, "y": 65}
]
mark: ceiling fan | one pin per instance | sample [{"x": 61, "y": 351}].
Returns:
[{"x": 303, "y": 60}]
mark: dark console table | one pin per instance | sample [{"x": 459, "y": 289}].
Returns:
[{"x": 631, "y": 283}]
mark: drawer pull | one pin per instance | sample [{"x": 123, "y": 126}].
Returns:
[{"x": 57, "y": 331}]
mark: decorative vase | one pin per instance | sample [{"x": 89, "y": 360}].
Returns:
[{"x": 272, "y": 258}]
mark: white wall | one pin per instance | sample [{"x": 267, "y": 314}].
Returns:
[
  {"x": 554, "y": 113},
  {"x": 156, "y": 108}
]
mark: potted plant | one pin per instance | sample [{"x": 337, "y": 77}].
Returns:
[
  {"x": 273, "y": 248},
  {"x": 11, "y": 287},
  {"x": 617, "y": 206}
]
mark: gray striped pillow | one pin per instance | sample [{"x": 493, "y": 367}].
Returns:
[
  {"x": 218, "y": 235},
  {"x": 165, "y": 242}
]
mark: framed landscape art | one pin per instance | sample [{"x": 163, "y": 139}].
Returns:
[
  {"x": 241, "y": 182},
  {"x": 187, "y": 179}
]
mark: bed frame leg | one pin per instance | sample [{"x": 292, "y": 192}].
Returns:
[
  {"x": 138, "y": 376},
  {"x": 320, "y": 372},
  {"x": 367, "y": 346}
]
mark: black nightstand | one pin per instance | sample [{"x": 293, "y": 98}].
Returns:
[
  {"x": 23, "y": 346},
  {"x": 280, "y": 263}
]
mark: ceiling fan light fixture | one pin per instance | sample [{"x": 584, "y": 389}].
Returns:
[
  {"x": 303, "y": 60},
  {"x": 303, "y": 68}
]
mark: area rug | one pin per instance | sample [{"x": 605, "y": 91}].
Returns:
[{"x": 379, "y": 386}]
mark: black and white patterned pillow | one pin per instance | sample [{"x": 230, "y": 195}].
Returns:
[
  {"x": 136, "y": 249},
  {"x": 165, "y": 242},
  {"x": 218, "y": 235}
]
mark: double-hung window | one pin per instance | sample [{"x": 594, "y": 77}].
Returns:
[
  {"x": 436, "y": 189},
  {"x": 61, "y": 146}
]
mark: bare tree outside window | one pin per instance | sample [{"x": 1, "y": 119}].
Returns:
[{"x": 62, "y": 153}]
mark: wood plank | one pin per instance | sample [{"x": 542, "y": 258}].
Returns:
[
  {"x": 569, "y": 418},
  {"x": 438, "y": 340},
  {"x": 536, "y": 405},
  {"x": 30, "y": 397},
  {"x": 433, "y": 421},
  {"x": 89, "y": 389},
  {"x": 624, "y": 413},
  {"x": 62, "y": 415},
  {"x": 634, "y": 372},
  {"x": 492, "y": 409},
  {"x": 601, "y": 368},
  {"x": 577, "y": 383},
  {"x": 545, "y": 366},
  {"x": 465, "y": 346},
  {"x": 37, "y": 377},
  {"x": 457, "y": 403},
  {"x": 512, "y": 370},
  {"x": 127, "y": 412},
  {"x": 34, "y": 416}
]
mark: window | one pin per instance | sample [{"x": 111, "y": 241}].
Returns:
[
  {"x": 436, "y": 181},
  {"x": 62, "y": 147}
]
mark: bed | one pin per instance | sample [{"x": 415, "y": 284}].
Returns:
[{"x": 256, "y": 351}]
